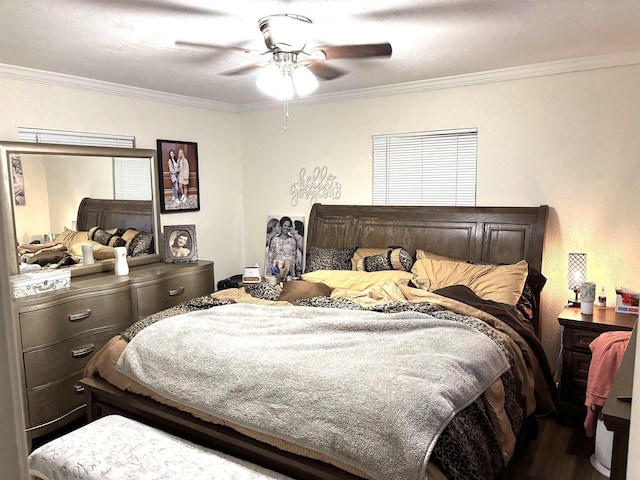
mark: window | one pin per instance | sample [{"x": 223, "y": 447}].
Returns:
[
  {"x": 131, "y": 179},
  {"x": 131, "y": 176},
  {"x": 426, "y": 168},
  {"x": 42, "y": 135}
]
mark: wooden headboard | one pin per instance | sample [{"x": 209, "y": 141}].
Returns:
[
  {"x": 93, "y": 212},
  {"x": 497, "y": 235}
]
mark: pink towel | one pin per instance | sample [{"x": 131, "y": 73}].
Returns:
[{"x": 607, "y": 351}]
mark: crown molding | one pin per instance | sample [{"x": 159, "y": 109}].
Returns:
[
  {"x": 491, "y": 76},
  {"x": 500, "y": 75},
  {"x": 61, "y": 79}
]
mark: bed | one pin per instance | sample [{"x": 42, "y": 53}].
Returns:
[
  {"x": 358, "y": 329},
  {"x": 104, "y": 223}
]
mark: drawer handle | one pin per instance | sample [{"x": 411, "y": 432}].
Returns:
[
  {"x": 76, "y": 317},
  {"x": 176, "y": 292},
  {"x": 81, "y": 352},
  {"x": 79, "y": 389}
]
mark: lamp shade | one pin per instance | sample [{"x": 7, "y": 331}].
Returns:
[
  {"x": 304, "y": 81},
  {"x": 577, "y": 271},
  {"x": 274, "y": 83}
]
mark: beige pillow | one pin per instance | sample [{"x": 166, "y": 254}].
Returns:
[
  {"x": 69, "y": 237},
  {"x": 420, "y": 254},
  {"x": 361, "y": 253},
  {"x": 354, "y": 280},
  {"x": 500, "y": 283}
]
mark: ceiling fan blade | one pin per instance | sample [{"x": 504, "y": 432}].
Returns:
[
  {"x": 242, "y": 70},
  {"x": 324, "y": 71},
  {"x": 356, "y": 51},
  {"x": 181, "y": 43}
]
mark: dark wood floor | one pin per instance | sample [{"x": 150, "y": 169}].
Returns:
[{"x": 559, "y": 453}]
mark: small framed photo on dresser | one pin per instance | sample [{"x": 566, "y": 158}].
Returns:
[{"x": 180, "y": 244}]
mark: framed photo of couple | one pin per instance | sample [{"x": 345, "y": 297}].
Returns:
[{"x": 178, "y": 178}]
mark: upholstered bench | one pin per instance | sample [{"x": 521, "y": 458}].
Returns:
[{"x": 116, "y": 447}]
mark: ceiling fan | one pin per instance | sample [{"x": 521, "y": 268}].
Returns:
[{"x": 293, "y": 67}]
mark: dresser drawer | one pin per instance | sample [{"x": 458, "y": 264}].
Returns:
[
  {"x": 580, "y": 365},
  {"x": 55, "y": 399},
  {"x": 46, "y": 364},
  {"x": 164, "y": 294},
  {"x": 50, "y": 325},
  {"x": 578, "y": 391},
  {"x": 577, "y": 339}
]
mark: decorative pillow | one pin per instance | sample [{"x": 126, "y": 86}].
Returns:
[
  {"x": 297, "y": 289},
  {"x": 105, "y": 237},
  {"x": 500, "y": 283},
  {"x": 355, "y": 280},
  {"x": 137, "y": 242},
  {"x": 329, "y": 259},
  {"x": 396, "y": 259},
  {"x": 362, "y": 252},
  {"x": 262, "y": 290}
]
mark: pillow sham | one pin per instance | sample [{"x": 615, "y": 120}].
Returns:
[
  {"x": 69, "y": 237},
  {"x": 137, "y": 242},
  {"x": 362, "y": 252},
  {"x": 298, "y": 289},
  {"x": 421, "y": 254},
  {"x": 105, "y": 237},
  {"x": 329, "y": 258},
  {"x": 355, "y": 280},
  {"x": 396, "y": 259},
  {"x": 500, "y": 283}
]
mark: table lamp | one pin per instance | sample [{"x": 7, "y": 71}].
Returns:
[{"x": 576, "y": 274}]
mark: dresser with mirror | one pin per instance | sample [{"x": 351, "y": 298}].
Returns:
[{"x": 56, "y": 332}]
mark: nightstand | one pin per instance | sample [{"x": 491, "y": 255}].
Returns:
[{"x": 578, "y": 331}]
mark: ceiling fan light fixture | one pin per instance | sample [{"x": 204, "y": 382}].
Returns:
[
  {"x": 274, "y": 83},
  {"x": 304, "y": 81}
]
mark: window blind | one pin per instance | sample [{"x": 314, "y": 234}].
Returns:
[
  {"x": 41, "y": 135},
  {"x": 426, "y": 168},
  {"x": 131, "y": 178}
]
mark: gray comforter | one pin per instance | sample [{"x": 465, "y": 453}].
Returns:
[{"x": 372, "y": 390}]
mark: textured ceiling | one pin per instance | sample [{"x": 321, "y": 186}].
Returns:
[{"x": 132, "y": 42}]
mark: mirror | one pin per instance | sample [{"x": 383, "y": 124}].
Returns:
[{"x": 56, "y": 179}]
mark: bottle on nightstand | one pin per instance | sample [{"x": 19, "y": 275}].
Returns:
[{"x": 602, "y": 299}]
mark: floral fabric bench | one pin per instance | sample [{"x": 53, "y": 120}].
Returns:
[{"x": 115, "y": 447}]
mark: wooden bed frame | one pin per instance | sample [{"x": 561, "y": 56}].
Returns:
[
  {"x": 496, "y": 235},
  {"x": 488, "y": 234},
  {"x": 137, "y": 214}
]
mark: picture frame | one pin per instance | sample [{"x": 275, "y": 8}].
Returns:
[
  {"x": 180, "y": 243},
  {"x": 179, "y": 191}
]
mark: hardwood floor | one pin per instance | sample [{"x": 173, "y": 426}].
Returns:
[{"x": 559, "y": 453}]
